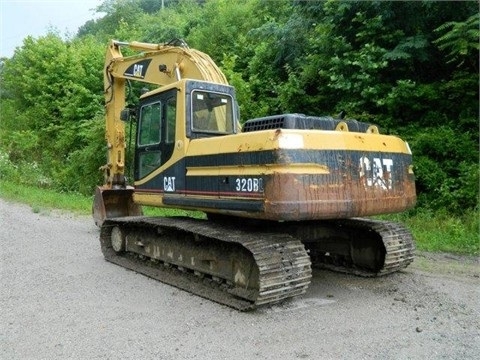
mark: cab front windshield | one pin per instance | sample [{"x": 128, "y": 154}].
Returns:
[{"x": 212, "y": 112}]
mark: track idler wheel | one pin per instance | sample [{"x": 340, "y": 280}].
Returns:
[{"x": 117, "y": 238}]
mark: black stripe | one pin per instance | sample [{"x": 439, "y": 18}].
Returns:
[
  {"x": 338, "y": 163},
  {"x": 331, "y": 158},
  {"x": 239, "y": 205}
]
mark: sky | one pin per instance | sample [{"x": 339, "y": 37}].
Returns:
[{"x": 21, "y": 18}]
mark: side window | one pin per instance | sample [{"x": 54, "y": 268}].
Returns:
[
  {"x": 150, "y": 129},
  {"x": 149, "y": 134},
  {"x": 149, "y": 161},
  {"x": 171, "y": 116}
]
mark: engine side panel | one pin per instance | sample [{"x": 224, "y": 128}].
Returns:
[{"x": 286, "y": 184}]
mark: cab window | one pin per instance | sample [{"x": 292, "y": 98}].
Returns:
[
  {"x": 150, "y": 129},
  {"x": 171, "y": 116},
  {"x": 212, "y": 112}
]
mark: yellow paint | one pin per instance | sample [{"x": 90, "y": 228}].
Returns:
[
  {"x": 312, "y": 140},
  {"x": 266, "y": 169}
]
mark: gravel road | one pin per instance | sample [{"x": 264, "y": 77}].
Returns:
[{"x": 60, "y": 300}]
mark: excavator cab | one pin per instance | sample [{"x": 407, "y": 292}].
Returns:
[
  {"x": 207, "y": 114},
  {"x": 172, "y": 116},
  {"x": 168, "y": 118}
]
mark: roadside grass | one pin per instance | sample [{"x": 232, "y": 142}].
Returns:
[
  {"x": 42, "y": 200},
  {"x": 441, "y": 232},
  {"x": 45, "y": 199},
  {"x": 433, "y": 232},
  {"x": 448, "y": 234}
]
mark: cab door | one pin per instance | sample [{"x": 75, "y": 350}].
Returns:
[{"x": 155, "y": 133}]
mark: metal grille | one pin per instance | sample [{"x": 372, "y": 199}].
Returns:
[
  {"x": 303, "y": 122},
  {"x": 267, "y": 123}
]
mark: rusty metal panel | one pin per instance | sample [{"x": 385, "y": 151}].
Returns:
[{"x": 356, "y": 185}]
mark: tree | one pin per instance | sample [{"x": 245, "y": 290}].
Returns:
[
  {"x": 410, "y": 67},
  {"x": 461, "y": 41},
  {"x": 55, "y": 90}
]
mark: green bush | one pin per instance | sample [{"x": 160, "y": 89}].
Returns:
[
  {"x": 410, "y": 67},
  {"x": 440, "y": 231}
]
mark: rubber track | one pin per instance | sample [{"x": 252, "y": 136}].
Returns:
[
  {"x": 398, "y": 241},
  {"x": 279, "y": 279}
]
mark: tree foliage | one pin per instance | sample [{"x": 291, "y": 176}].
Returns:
[{"x": 410, "y": 67}]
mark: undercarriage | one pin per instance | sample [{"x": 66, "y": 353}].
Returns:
[{"x": 244, "y": 264}]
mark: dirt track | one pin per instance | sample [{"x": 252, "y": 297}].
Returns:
[{"x": 60, "y": 300}]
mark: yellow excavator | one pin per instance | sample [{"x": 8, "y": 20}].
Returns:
[{"x": 281, "y": 193}]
